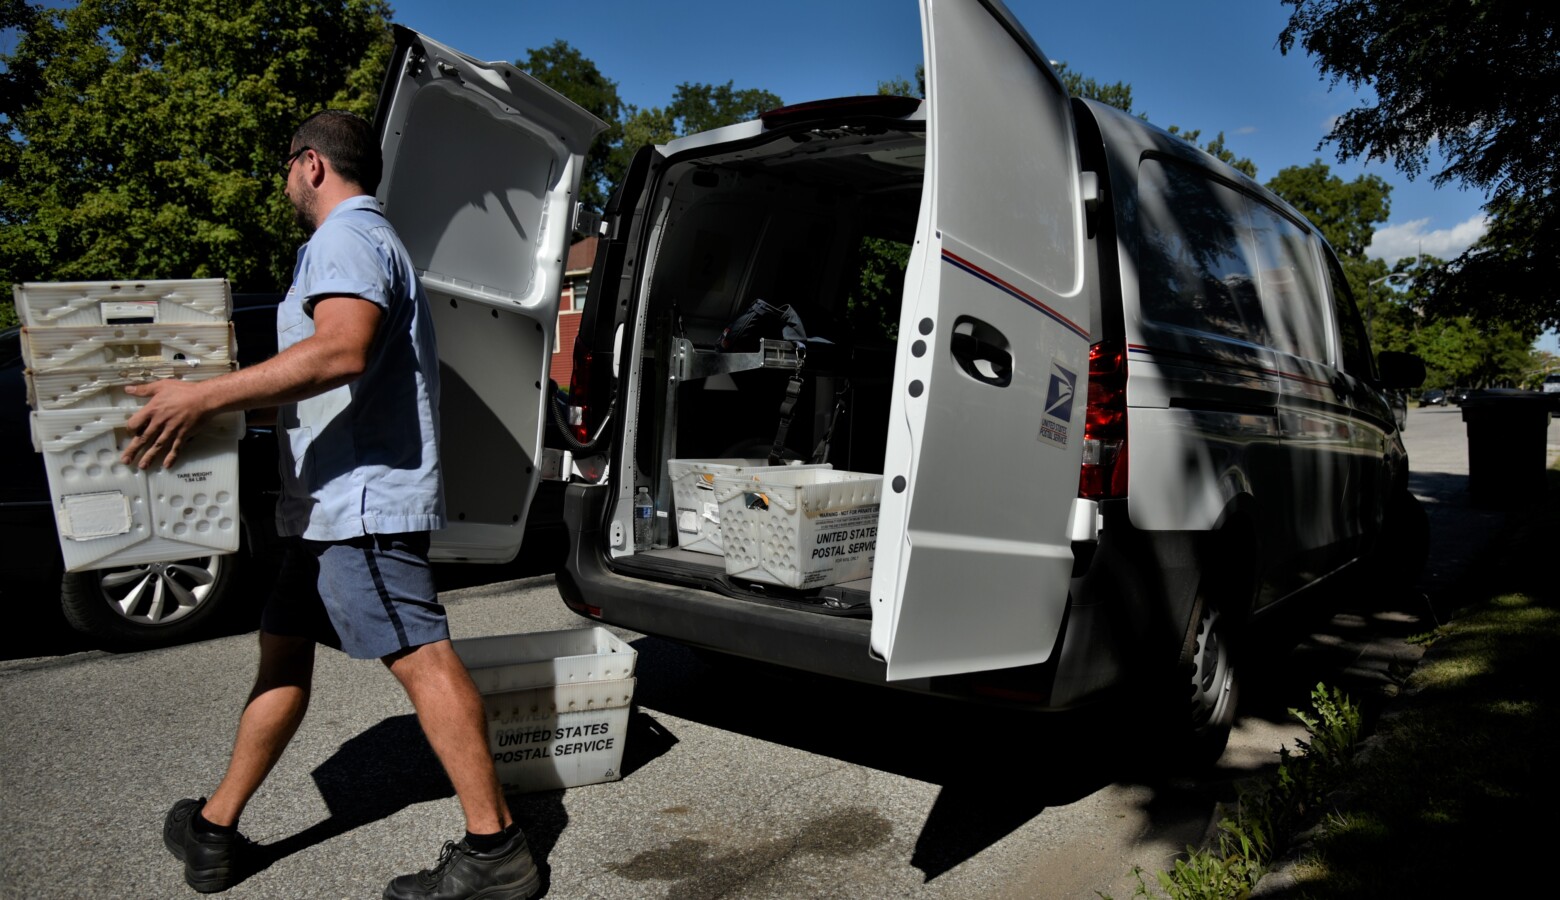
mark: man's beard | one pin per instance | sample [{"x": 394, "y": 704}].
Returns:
[{"x": 303, "y": 208}]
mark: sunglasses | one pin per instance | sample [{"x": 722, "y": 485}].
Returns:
[{"x": 293, "y": 157}]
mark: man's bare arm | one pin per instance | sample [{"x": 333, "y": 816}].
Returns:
[{"x": 336, "y": 354}]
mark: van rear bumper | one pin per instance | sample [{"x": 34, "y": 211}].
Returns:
[{"x": 1089, "y": 661}]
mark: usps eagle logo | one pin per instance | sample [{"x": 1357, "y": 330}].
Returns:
[
  {"x": 1059, "y": 397},
  {"x": 1055, "y": 420}
]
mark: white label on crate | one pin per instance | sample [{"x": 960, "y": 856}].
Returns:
[
  {"x": 86, "y": 517},
  {"x": 129, "y": 312},
  {"x": 712, "y": 512},
  {"x": 687, "y": 521}
]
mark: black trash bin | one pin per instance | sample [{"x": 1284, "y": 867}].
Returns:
[{"x": 1508, "y": 433}]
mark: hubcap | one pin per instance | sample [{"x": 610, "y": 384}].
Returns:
[
  {"x": 160, "y": 593},
  {"x": 1210, "y": 671}
]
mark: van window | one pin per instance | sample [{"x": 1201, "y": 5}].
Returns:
[
  {"x": 1195, "y": 271},
  {"x": 1353, "y": 338},
  {"x": 1291, "y": 298}
]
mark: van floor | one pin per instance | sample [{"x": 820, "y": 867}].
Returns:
[{"x": 844, "y": 598}]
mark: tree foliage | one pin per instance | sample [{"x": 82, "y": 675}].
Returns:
[
  {"x": 1346, "y": 212},
  {"x": 1473, "y": 82},
  {"x": 1119, "y": 95},
  {"x": 141, "y": 138},
  {"x": 564, "y": 69},
  {"x": 694, "y": 107}
]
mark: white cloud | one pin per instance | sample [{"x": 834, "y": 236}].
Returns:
[
  {"x": 1246, "y": 129},
  {"x": 1394, "y": 242}
]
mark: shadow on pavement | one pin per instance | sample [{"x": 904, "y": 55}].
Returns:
[
  {"x": 386, "y": 769},
  {"x": 1000, "y": 768}
]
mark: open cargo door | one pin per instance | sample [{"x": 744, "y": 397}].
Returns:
[
  {"x": 482, "y": 169},
  {"x": 985, "y": 427}
]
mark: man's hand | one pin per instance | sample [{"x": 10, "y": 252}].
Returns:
[{"x": 174, "y": 410}]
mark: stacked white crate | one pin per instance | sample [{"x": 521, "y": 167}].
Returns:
[{"x": 83, "y": 342}]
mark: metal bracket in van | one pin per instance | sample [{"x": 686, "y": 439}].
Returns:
[{"x": 690, "y": 362}]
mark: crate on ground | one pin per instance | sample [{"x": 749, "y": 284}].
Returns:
[
  {"x": 800, "y": 528},
  {"x": 104, "y": 386},
  {"x": 113, "y": 514},
  {"x": 84, "y": 346},
  {"x": 172, "y": 301},
  {"x": 693, "y": 496},
  {"x": 557, "y": 704}
]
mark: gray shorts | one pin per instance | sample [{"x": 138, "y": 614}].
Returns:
[{"x": 368, "y": 597}]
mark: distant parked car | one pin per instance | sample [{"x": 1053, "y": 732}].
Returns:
[
  {"x": 1552, "y": 383},
  {"x": 1436, "y": 397},
  {"x": 1459, "y": 394}
]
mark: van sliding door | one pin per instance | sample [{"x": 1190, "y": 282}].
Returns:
[{"x": 986, "y": 420}]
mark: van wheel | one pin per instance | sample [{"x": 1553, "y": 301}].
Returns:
[
  {"x": 1207, "y": 688},
  {"x": 1405, "y": 545}
]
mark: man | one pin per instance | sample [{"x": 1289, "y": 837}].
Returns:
[{"x": 356, "y": 385}]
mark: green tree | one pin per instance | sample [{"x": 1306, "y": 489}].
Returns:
[
  {"x": 141, "y": 138},
  {"x": 1217, "y": 149},
  {"x": 694, "y": 107},
  {"x": 1117, "y": 94},
  {"x": 1346, "y": 212},
  {"x": 567, "y": 71},
  {"x": 1471, "y": 82}
]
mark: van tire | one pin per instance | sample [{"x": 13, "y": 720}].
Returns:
[
  {"x": 1205, "y": 687},
  {"x": 1405, "y": 545}
]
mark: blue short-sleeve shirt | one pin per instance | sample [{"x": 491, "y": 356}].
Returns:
[{"x": 362, "y": 458}]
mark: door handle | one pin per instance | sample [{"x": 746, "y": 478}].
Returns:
[{"x": 982, "y": 352}]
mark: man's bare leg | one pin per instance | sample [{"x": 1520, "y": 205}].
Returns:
[
  {"x": 271, "y": 717},
  {"x": 450, "y": 710}
]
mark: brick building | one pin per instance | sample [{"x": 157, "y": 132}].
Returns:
[{"x": 576, "y": 274}]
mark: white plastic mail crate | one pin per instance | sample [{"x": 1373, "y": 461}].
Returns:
[
  {"x": 66, "y": 303},
  {"x": 76, "y": 347},
  {"x": 557, "y": 704},
  {"x": 112, "y": 514},
  {"x": 104, "y": 386},
  {"x": 800, "y": 528},
  {"x": 693, "y": 496}
]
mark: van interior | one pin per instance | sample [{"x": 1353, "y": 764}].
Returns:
[{"x": 820, "y": 221}]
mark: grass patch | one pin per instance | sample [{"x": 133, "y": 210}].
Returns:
[{"x": 1448, "y": 797}]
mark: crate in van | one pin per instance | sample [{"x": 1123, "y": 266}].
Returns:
[
  {"x": 694, "y": 498},
  {"x": 84, "y": 303},
  {"x": 801, "y": 528}
]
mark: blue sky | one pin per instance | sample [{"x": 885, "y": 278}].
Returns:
[{"x": 1212, "y": 65}]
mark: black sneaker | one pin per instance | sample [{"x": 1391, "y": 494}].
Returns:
[
  {"x": 507, "y": 873},
  {"x": 211, "y": 861}
]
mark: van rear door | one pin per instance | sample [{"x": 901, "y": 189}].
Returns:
[
  {"x": 986, "y": 421},
  {"x": 482, "y": 169}
]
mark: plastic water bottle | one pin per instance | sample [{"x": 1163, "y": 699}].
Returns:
[{"x": 644, "y": 516}]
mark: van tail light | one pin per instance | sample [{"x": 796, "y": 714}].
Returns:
[
  {"x": 1104, "y": 471},
  {"x": 579, "y": 392}
]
